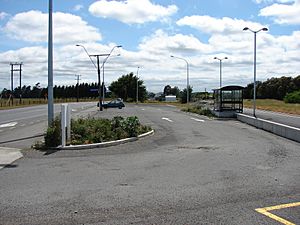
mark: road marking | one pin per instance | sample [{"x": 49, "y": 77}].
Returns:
[
  {"x": 12, "y": 124},
  {"x": 22, "y": 125},
  {"x": 31, "y": 123},
  {"x": 198, "y": 120},
  {"x": 167, "y": 119},
  {"x": 265, "y": 211},
  {"x": 143, "y": 109}
]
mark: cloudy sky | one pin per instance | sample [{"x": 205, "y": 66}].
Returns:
[{"x": 149, "y": 32}]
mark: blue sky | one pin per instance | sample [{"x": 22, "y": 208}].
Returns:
[{"x": 150, "y": 31}]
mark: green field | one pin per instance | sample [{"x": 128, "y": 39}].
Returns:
[
  {"x": 274, "y": 105},
  {"x": 8, "y": 104}
]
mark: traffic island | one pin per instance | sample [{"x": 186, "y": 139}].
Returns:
[{"x": 87, "y": 133}]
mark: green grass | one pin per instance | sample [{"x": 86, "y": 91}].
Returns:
[
  {"x": 5, "y": 104},
  {"x": 274, "y": 105}
]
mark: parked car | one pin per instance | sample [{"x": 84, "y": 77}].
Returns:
[{"x": 116, "y": 103}]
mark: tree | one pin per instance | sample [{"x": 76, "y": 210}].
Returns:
[
  {"x": 125, "y": 88},
  {"x": 184, "y": 94},
  {"x": 167, "y": 90}
]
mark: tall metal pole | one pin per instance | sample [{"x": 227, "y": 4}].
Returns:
[
  {"x": 254, "y": 65},
  {"x": 187, "y": 77},
  {"x": 20, "y": 83},
  {"x": 137, "y": 85},
  {"x": 103, "y": 91},
  {"x": 187, "y": 82},
  {"x": 99, "y": 84},
  {"x": 220, "y": 73},
  {"x": 12, "y": 83},
  {"x": 254, "y": 85},
  {"x": 220, "y": 68},
  {"x": 50, "y": 68}
]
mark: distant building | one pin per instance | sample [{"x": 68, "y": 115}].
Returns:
[{"x": 170, "y": 98}]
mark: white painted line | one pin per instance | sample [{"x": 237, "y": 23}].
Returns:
[
  {"x": 198, "y": 120},
  {"x": 74, "y": 110},
  {"x": 172, "y": 106},
  {"x": 12, "y": 124},
  {"x": 12, "y": 128},
  {"x": 143, "y": 109},
  {"x": 167, "y": 119}
]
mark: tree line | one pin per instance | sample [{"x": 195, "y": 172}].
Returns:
[
  {"x": 85, "y": 90},
  {"x": 126, "y": 87},
  {"x": 273, "y": 88}
]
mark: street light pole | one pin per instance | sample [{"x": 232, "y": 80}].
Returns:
[
  {"x": 104, "y": 61},
  {"x": 50, "y": 68},
  {"x": 220, "y": 68},
  {"x": 137, "y": 85},
  {"x": 254, "y": 65},
  {"x": 88, "y": 55},
  {"x": 187, "y": 77}
]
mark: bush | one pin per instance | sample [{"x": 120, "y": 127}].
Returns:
[
  {"x": 199, "y": 110},
  {"x": 53, "y": 134},
  {"x": 293, "y": 97},
  {"x": 92, "y": 130}
]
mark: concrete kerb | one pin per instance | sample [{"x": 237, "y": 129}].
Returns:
[
  {"x": 104, "y": 144},
  {"x": 283, "y": 130}
]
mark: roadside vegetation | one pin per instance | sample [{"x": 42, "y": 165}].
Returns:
[
  {"x": 293, "y": 97},
  {"x": 274, "y": 105},
  {"x": 198, "y": 109},
  {"x": 95, "y": 130}
]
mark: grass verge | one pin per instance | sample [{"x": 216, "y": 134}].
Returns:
[{"x": 274, "y": 105}]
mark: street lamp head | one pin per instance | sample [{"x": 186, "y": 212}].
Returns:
[
  {"x": 172, "y": 56},
  {"x": 264, "y": 29},
  {"x": 119, "y": 46},
  {"x": 215, "y": 58},
  {"x": 246, "y": 28},
  {"x": 226, "y": 58}
]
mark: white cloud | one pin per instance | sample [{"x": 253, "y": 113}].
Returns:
[
  {"x": 32, "y": 26},
  {"x": 212, "y": 25},
  {"x": 132, "y": 11},
  {"x": 78, "y": 7},
  {"x": 3, "y": 15},
  {"x": 283, "y": 13},
  {"x": 161, "y": 42}
]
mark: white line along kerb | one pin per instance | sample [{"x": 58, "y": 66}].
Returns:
[
  {"x": 198, "y": 120},
  {"x": 167, "y": 119}
]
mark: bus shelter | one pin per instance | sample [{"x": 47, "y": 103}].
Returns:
[{"x": 228, "y": 98}]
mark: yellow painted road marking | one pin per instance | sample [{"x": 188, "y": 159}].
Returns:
[{"x": 265, "y": 211}]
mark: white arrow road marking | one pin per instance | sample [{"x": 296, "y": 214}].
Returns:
[
  {"x": 198, "y": 120},
  {"x": 167, "y": 119},
  {"x": 12, "y": 124}
]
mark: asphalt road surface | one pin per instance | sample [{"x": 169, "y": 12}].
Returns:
[
  {"x": 283, "y": 118},
  {"x": 18, "y": 127},
  {"x": 193, "y": 170}
]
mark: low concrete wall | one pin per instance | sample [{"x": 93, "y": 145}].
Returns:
[{"x": 289, "y": 132}]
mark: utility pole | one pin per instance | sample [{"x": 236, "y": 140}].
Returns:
[
  {"x": 78, "y": 78},
  {"x": 99, "y": 77},
  {"x": 12, "y": 79}
]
